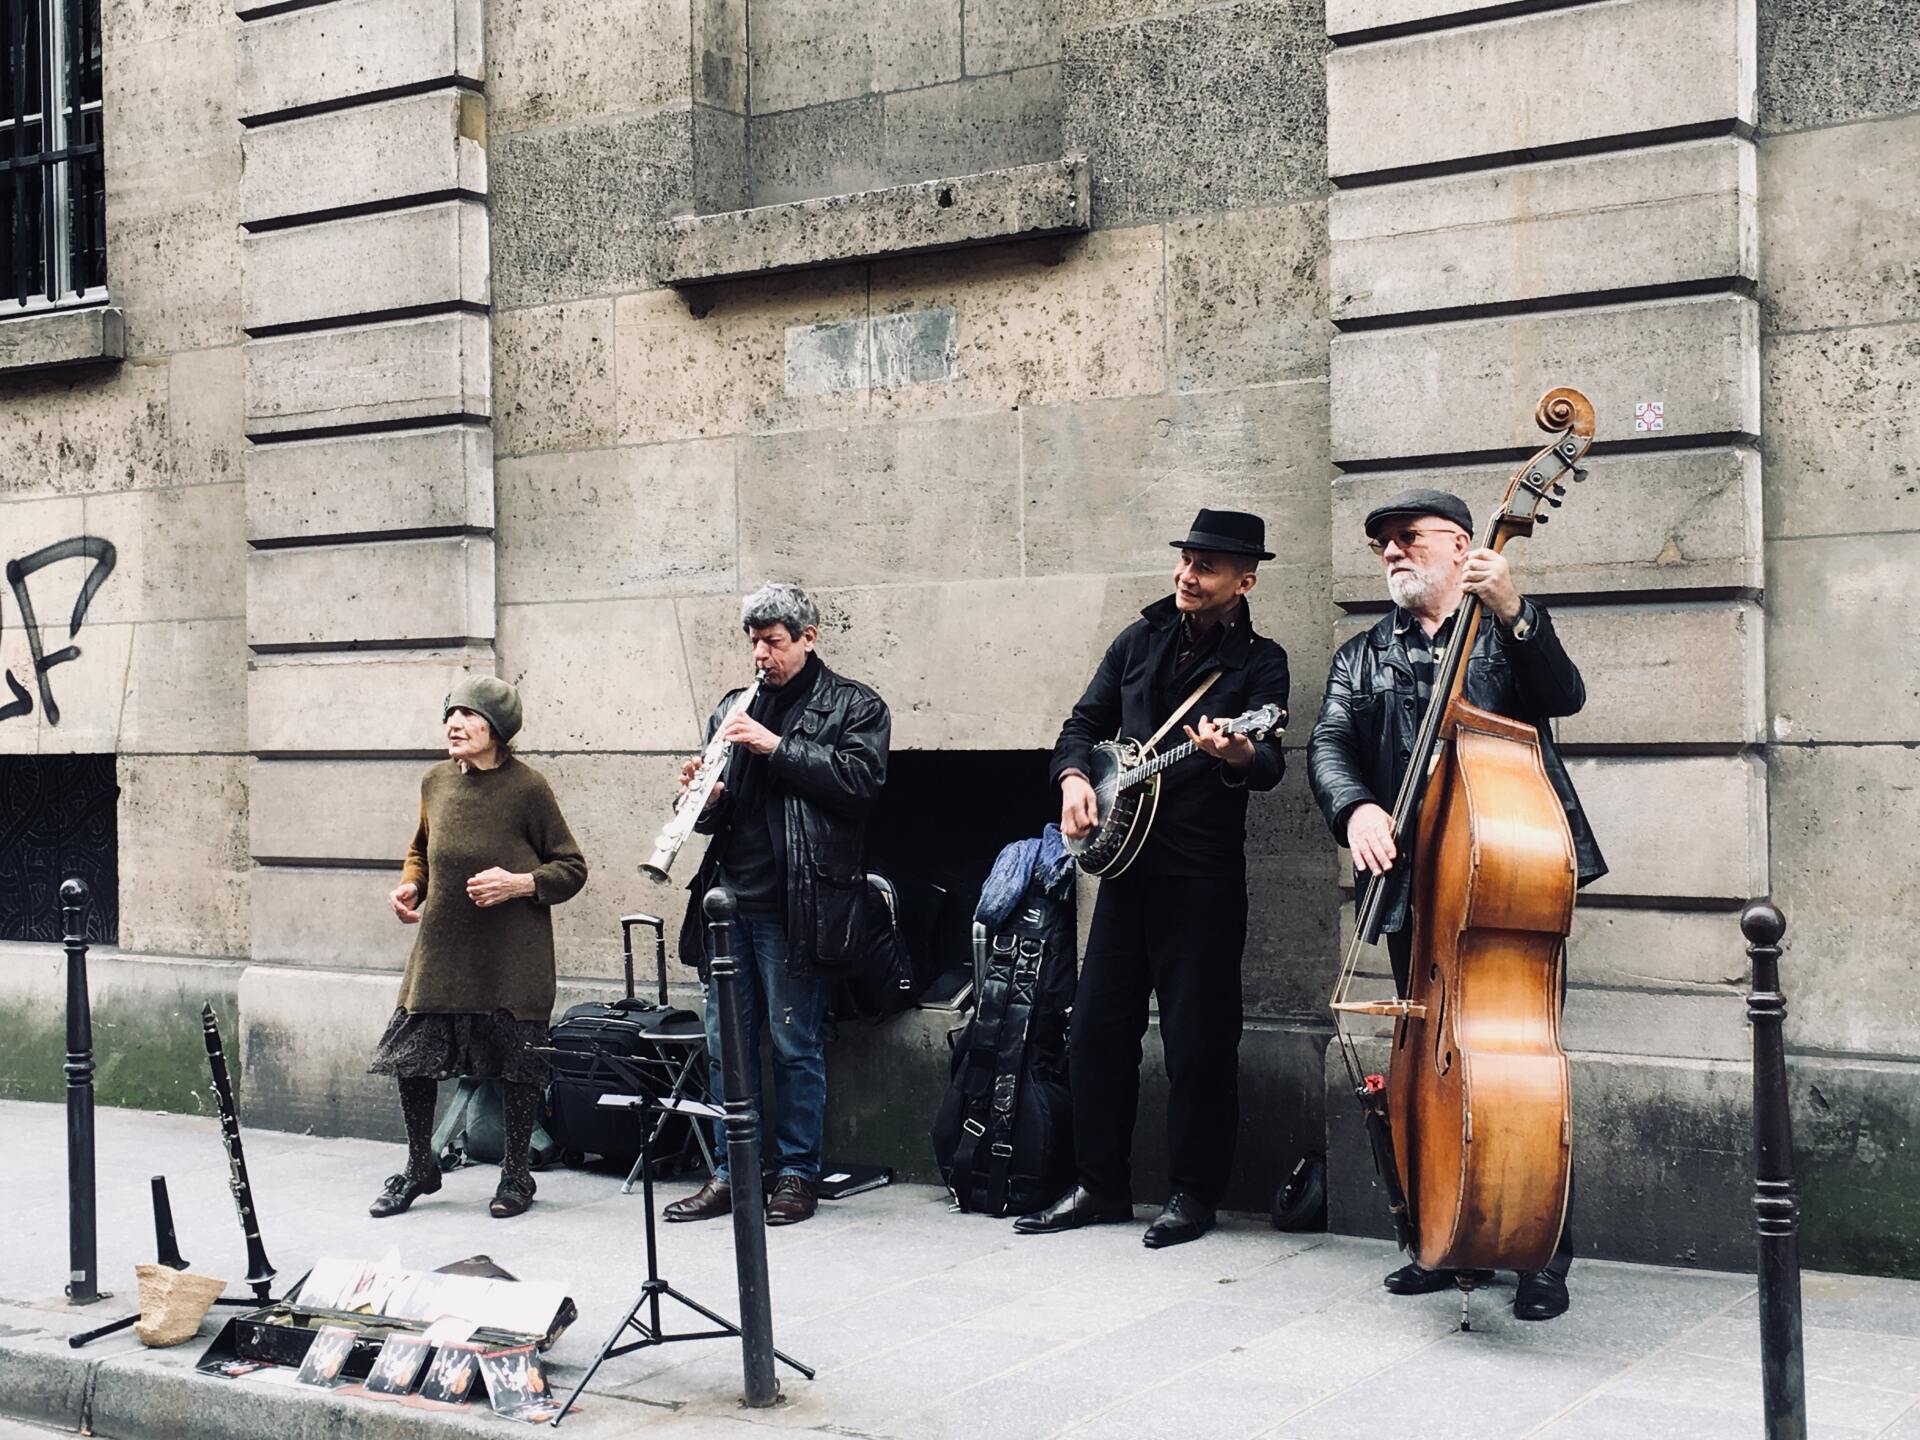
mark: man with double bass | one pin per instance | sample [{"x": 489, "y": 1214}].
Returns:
[
  {"x": 1174, "y": 924},
  {"x": 1378, "y": 690}
]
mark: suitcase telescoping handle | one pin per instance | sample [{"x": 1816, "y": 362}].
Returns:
[{"x": 627, "y": 922}]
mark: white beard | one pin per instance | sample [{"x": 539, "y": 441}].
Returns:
[{"x": 1411, "y": 589}]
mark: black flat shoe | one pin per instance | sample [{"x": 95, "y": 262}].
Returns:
[
  {"x": 511, "y": 1199},
  {"x": 1079, "y": 1206},
  {"x": 399, "y": 1192},
  {"x": 1540, "y": 1295},
  {"x": 1186, "y": 1217},
  {"x": 1415, "y": 1279}
]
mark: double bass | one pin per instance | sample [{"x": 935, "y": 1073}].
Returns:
[{"x": 1472, "y": 1130}]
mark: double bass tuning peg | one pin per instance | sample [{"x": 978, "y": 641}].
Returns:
[
  {"x": 1553, "y": 500},
  {"x": 1579, "y": 475},
  {"x": 1542, "y": 519}
]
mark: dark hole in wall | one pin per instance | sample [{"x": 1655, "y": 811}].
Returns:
[
  {"x": 942, "y": 819},
  {"x": 58, "y": 818}
]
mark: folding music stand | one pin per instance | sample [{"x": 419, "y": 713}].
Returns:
[
  {"x": 688, "y": 1036},
  {"x": 688, "y": 1084},
  {"x": 650, "y": 1329}
]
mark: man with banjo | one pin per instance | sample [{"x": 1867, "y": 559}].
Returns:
[{"x": 1171, "y": 919}]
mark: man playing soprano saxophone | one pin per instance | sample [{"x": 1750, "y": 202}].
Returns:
[{"x": 788, "y": 822}]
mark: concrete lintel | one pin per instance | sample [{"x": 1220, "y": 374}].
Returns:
[
  {"x": 1050, "y": 198},
  {"x": 54, "y": 339}
]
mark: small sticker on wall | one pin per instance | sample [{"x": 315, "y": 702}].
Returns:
[{"x": 1650, "y": 415}]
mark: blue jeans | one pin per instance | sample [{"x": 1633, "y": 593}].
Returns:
[{"x": 792, "y": 1011}]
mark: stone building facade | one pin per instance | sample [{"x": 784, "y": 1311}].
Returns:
[{"x": 438, "y": 337}]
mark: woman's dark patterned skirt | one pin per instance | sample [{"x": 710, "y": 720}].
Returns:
[{"x": 446, "y": 1047}]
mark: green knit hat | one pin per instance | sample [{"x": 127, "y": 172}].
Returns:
[{"x": 493, "y": 699}]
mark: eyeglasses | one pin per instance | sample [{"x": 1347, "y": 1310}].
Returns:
[{"x": 1405, "y": 539}]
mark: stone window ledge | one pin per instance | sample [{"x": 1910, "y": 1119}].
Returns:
[
  {"x": 1050, "y": 198},
  {"x": 50, "y": 339}
]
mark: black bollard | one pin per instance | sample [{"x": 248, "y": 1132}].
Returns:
[
  {"x": 1782, "y": 1361},
  {"x": 743, "y": 1156},
  {"x": 83, "y": 1278}
]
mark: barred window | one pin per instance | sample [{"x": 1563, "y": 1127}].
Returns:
[{"x": 52, "y": 220}]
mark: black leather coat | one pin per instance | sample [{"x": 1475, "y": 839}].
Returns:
[
  {"x": 827, "y": 770},
  {"x": 1369, "y": 720}
]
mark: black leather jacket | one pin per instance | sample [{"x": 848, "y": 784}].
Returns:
[
  {"x": 828, "y": 769},
  {"x": 1368, "y": 722}
]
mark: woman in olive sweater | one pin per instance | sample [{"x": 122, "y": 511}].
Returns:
[{"x": 491, "y": 857}]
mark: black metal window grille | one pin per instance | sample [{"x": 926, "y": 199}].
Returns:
[{"x": 53, "y": 233}]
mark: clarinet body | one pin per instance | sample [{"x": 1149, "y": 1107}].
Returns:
[
  {"x": 260, "y": 1271},
  {"x": 686, "y": 810}
]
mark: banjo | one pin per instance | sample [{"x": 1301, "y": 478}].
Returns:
[{"x": 1125, "y": 776}]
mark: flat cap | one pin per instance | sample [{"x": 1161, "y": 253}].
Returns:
[{"x": 1407, "y": 503}]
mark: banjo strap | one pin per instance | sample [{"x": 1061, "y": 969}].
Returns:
[{"x": 1206, "y": 682}]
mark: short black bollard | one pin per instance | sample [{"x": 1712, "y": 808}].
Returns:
[
  {"x": 1776, "y": 1213},
  {"x": 83, "y": 1268},
  {"x": 743, "y": 1157}
]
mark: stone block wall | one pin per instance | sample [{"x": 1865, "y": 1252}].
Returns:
[
  {"x": 143, "y": 453},
  {"x": 1839, "y": 123},
  {"x": 369, "y": 513},
  {"x": 842, "y": 97}
]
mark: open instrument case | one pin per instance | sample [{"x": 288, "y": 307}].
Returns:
[{"x": 280, "y": 1331}]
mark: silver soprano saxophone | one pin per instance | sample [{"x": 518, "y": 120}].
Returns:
[{"x": 686, "y": 810}]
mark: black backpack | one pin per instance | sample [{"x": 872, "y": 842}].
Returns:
[
  {"x": 895, "y": 964},
  {"x": 1003, "y": 1139}
]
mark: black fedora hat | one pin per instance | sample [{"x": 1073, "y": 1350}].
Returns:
[{"x": 1234, "y": 531}]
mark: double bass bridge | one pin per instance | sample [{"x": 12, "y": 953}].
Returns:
[{"x": 1391, "y": 1009}]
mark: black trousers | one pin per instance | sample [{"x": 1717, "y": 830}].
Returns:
[
  {"x": 1400, "y": 955},
  {"x": 1177, "y": 938}
]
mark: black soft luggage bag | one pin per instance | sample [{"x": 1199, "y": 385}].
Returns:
[
  {"x": 895, "y": 964},
  {"x": 625, "y": 1047},
  {"x": 1003, "y": 1139}
]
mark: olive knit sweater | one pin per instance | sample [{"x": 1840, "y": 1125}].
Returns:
[{"x": 500, "y": 957}]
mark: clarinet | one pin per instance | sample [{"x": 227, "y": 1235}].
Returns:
[
  {"x": 260, "y": 1271},
  {"x": 713, "y": 765}
]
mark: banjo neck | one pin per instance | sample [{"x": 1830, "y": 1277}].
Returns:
[{"x": 1150, "y": 768}]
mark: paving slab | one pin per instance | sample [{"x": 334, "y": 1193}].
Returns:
[{"x": 921, "y": 1322}]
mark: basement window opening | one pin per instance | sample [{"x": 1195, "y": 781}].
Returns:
[
  {"x": 935, "y": 832},
  {"x": 61, "y": 820}
]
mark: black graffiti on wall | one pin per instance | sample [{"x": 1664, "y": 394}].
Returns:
[{"x": 75, "y": 547}]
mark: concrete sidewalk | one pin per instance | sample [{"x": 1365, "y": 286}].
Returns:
[{"x": 921, "y": 1323}]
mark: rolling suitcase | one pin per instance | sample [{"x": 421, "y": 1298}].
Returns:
[{"x": 628, "y": 1046}]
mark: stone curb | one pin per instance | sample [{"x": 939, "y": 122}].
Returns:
[{"x": 117, "y": 1387}]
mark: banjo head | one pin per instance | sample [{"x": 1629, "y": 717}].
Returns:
[{"x": 1110, "y": 759}]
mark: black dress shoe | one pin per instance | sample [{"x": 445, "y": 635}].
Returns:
[
  {"x": 1541, "y": 1295},
  {"x": 511, "y": 1198},
  {"x": 713, "y": 1199},
  {"x": 1186, "y": 1217},
  {"x": 1414, "y": 1278},
  {"x": 1079, "y": 1206},
  {"x": 401, "y": 1191}
]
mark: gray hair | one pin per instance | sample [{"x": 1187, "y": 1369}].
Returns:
[{"x": 779, "y": 604}]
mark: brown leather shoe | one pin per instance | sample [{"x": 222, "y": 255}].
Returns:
[
  {"x": 709, "y": 1202},
  {"x": 792, "y": 1201}
]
